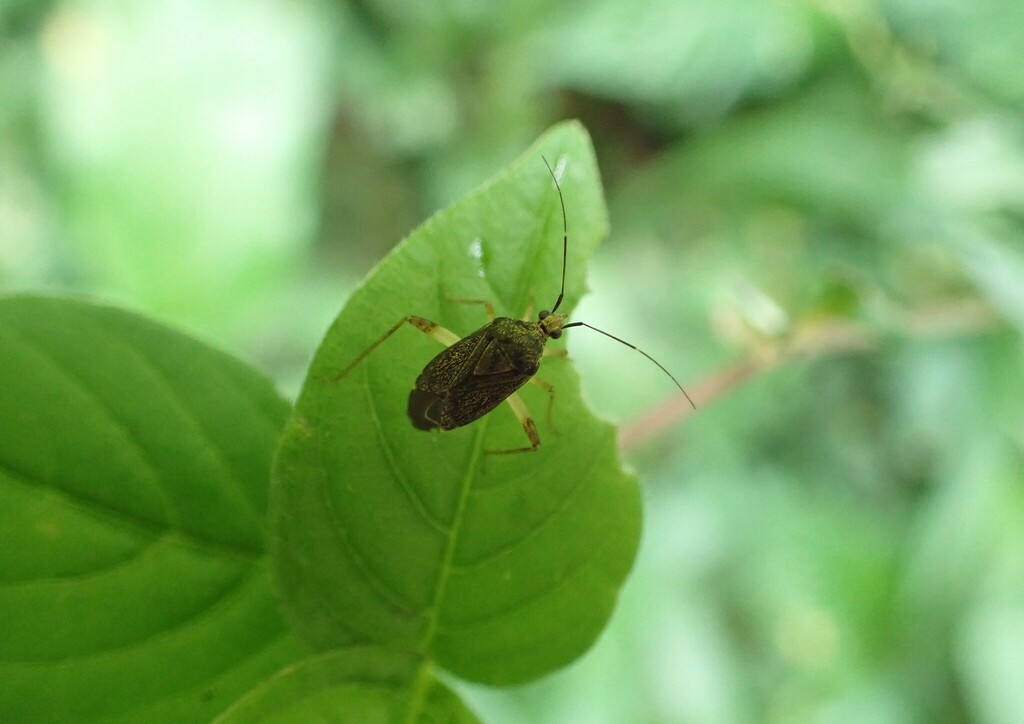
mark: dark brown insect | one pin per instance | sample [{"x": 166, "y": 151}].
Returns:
[{"x": 475, "y": 374}]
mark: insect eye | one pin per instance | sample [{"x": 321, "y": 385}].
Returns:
[
  {"x": 555, "y": 334},
  {"x": 544, "y": 314}
]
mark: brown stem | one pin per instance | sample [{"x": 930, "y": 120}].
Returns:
[{"x": 809, "y": 342}]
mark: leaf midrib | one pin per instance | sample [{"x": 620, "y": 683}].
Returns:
[
  {"x": 433, "y": 613},
  {"x": 529, "y": 269}
]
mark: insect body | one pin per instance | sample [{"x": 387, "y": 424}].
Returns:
[{"x": 477, "y": 373}]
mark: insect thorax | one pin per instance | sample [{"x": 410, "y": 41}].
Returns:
[{"x": 522, "y": 342}]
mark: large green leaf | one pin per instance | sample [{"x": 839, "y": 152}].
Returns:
[
  {"x": 499, "y": 568},
  {"x": 357, "y": 685},
  {"x": 133, "y": 482}
]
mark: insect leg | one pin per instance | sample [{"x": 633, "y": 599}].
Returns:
[
  {"x": 431, "y": 329},
  {"x": 547, "y": 387},
  {"x": 488, "y": 307},
  {"x": 523, "y": 415}
]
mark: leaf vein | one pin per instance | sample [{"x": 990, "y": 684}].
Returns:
[
  {"x": 444, "y": 571},
  {"x": 536, "y": 530},
  {"x": 517, "y": 606},
  {"x": 192, "y": 418},
  {"x": 403, "y": 482},
  {"x": 223, "y": 600},
  {"x": 391, "y": 598},
  {"x": 124, "y": 434}
]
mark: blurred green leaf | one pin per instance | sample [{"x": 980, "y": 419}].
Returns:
[
  {"x": 186, "y": 162},
  {"x": 498, "y": 568},
  {"x": 991, "y": 255},
  {"x": 358, "y": 685},
  {"x": 990, "y": 643},
  {"x": 691, "y": 60},
  {"x": 980, "y": 41},
  {"x": 827, "y": 153},
  {"x": 133, "y": 484}
]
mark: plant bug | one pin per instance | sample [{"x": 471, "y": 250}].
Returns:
[{"x": 475, "y": 374}]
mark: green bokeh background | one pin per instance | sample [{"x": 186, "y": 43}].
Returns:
[{"x": 839, "y": 538}]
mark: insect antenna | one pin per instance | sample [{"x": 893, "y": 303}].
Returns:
[
  {"x": 565, "y": 235},
  {"x": 561, "y": 291},
  {"x": 633, "y": 346}
]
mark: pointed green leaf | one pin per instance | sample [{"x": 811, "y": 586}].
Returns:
[
  {"x": 499, "y": 568},
  {"x": 133, "y": 475},
  {"x": 357, "y": 685}
]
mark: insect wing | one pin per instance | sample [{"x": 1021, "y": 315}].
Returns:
[
  {"x": 463, "y": 406},
  {"x": 465, "y": 382},
  {"x": 452, "y": 365}
]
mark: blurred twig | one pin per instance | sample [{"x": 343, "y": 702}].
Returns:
[{"x": 808, "y": 342}]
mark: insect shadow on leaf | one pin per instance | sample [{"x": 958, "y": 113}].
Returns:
[{"x": 475, "y": 374}]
